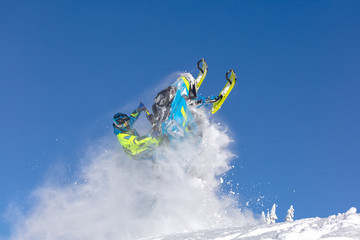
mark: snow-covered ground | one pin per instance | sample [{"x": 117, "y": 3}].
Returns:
[{"x": 343, "y": 226}]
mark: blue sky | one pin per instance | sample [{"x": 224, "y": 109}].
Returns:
[{"x": 67, "y": 66}]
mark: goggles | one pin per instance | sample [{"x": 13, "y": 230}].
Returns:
[{"x": 120, "y": 119}]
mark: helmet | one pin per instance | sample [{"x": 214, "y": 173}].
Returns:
[{"x": 120, "y": 119}]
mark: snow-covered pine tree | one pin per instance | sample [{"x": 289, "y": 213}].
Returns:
[
  {"x": 273, "y": 216},
  {"x": 267, "y": 220},
  {"x": 263, "y": 219},
  {"x": 290, "y": 214}
]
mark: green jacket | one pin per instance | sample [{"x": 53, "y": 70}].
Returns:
[{"x": 134, "y": 145}]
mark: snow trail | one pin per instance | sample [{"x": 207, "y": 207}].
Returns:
[
  {"x": 115, "y": 197},
  {"x": 345, "y": 226}
]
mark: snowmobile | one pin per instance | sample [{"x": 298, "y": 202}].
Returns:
[{"x": 174, "y": 115}]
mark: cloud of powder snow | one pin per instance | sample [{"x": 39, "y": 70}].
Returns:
[{"x": 114, "y": 197}]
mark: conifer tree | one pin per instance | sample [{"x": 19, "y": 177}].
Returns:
[
  {"x": 273, "y": 216},
  {"x": 290, "y": 214},
  {"x": 263, "y": 219},
  {"x": 267, "y": 220}
]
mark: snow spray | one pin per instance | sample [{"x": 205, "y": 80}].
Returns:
[{"x": 115, "y": 197}]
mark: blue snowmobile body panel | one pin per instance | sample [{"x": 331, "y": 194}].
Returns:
[{"x": 180, "y": 122}]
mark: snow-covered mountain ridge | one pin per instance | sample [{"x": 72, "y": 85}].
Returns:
[{"x": 342, "y": 226}]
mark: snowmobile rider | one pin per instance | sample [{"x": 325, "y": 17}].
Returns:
[{"x": 138, "y": 147}]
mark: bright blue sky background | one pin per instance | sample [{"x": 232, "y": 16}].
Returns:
[{"x": 66, "y": 66}]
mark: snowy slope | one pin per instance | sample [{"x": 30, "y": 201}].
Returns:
[{"x": 343, "y": 226}]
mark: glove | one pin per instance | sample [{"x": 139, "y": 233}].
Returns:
[{"x": 141, "y": 107}]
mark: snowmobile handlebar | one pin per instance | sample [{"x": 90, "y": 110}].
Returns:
[
  {"x": 227, "y": 75},
  {"x": 149, "y": 117},
  {"x": 198, "y": 65}
]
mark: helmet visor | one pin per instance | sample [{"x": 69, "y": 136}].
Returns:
[{"x": 120, "y": 119}]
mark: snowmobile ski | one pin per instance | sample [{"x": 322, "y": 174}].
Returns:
[
  {"x": 226, "y": 90},
  {"x": 202, "y": 74}
]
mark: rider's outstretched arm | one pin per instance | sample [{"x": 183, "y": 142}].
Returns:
[
  {"x": 133, "y": 117},
  {"x": 136, "y": 113}
]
